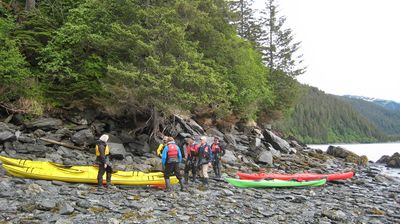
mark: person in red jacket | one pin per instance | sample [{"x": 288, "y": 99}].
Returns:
[
  {"x": 191, "y": 159},
  {"x": 171, "y": 157},
  {"x": 217, "y": 152}
]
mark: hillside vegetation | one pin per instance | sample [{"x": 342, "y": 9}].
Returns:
[{"x": 326, "y": 118}]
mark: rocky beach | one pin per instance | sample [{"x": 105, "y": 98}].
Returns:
[{"x": 369, "y": 197}]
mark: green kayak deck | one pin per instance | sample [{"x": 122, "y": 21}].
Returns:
[{"x": 274, "y": 183}]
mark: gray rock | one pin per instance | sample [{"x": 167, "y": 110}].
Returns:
[
  {"x": 39, "y": 133},
  {"x": 138, "y": 148},
  {"x": 45, "y": 124},
  {"x": 25, "y": 138},
  {"x": 277, "y": 142},
  {"x": 64, "y": 221},
  {"x": 84, "y": 204},
  {"x": 214, "y": 132},
  {"x": 274, "y": 152},
  {"x": 7, "y": 127},
  {"x": 83, "y": 137},
  {"x": 336, "y": 215},
  {"x": 46, "y": 204},
  {"x": 6, "y": 135},
  {"x": 339, "y": 152},
  {"x": 229, "y": 157},
  {"x": 230, "y": 139},
  {"x": 117, "y": 150},
  {"x": 228, "y": 192},
  {"x": 66, "y": 208},
  {"x": 384, "y": 159},
  {"x": 265, "y": 157},
  {"x": 394, "y": 161}
]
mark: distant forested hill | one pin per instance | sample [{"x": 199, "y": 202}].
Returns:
[
  {"x": 326, "y": 118},
  {"x": 382, "y": 113}
]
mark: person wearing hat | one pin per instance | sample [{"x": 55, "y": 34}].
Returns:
[
  {"x": 171, "y": 157},
  {"x": 191, "y": 159},
  {"x": 205, "y": 158},
  {"x": 102, "y": 159},
  {"x": 161, "y": 146},
  {"x": 217, "y": 152}
]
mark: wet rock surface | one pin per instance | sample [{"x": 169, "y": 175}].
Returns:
[{"x": 369, "y": 197}]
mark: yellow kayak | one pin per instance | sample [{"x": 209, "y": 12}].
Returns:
[
  {"x": 79, "y": 176},
  {"x": 51, "y": 165}
]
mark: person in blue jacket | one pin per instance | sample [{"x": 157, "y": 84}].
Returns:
[{"x": 171, "y": 157}]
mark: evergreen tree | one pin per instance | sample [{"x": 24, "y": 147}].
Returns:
[
  {"x": 248, "y": 26},
  {"x": 277, "y": 43}
]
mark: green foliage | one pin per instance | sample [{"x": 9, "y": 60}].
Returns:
[
  {"x": 168, "y": 55},
  {"x": 13, "y": 67},
  {"x": 324, "y": 118}
]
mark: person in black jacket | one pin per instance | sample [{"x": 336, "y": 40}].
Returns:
[
  {"x": 217, "y": 153},
  {"x": 102, "y": 159}
]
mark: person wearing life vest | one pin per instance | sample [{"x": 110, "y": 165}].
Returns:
[
  {"x": 161, "y": 146},
  {"x": 171, "y": 157},
  {"x": 191, "y": 159},
  {"x": 205, "y": 158},
  {"x": 102, "y": 159},
  {"x": 217, "y": 152}
]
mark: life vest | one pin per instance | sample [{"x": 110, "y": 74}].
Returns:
[
  {"x": 172, "y": 151},
  {"x": 106, "y": 151},
  {"x": 215, "y": 148},
  {"x": 192, "y": 149},
  {"x": 205, "y": 152}
]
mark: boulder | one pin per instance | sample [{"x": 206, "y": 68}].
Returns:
[
  {"x": 45, "y": 124},
  {"x": 265, "y": 157},
  {"x": 277, "y": 142},
  {"x": 384, "y": 159},
  {"x": 46, "y": 204},
  {"x": 83, "y": 137},
  {"x": 117, "y": 150},
  {"x": 230, "y": 139},
  {"x": 6, "y": 135},
  {"x": 229, "y": 157},
  {"x": 394, "y": 161},
  {"x": 155, "y": 163},
  {"x": 138, "y": 148},
  {"x": 7, "y": 127},
  {"x": 66, "y": 208},
  {"x": 189, "y": 126},
  {"x": 214, "y": 132},
  {"x": 347, "y": 155}
]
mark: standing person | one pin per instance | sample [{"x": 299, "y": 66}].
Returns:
[
  {"x": 171, "y": 157},
  {"x": 217, "y": 153},
  {"x": 205, "y": 158},
  {"x": 191, "y": 159},
  {"x": 103, "y": 160},
  {"x": 161, "y": 146}
]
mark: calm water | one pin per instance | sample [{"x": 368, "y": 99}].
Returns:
[{"x": 372, "y": 151}]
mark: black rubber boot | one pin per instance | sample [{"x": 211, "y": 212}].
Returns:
[
  {"x": 205, "y": 181},
  {"x": 186, "y": 179},
  {"x": 100, "y": 188},
  {"x": 167, "y": 185},
  {"x": 181, "y": 182},
  {"x": 108, "y": 179}
]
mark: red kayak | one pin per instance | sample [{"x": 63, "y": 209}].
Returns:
[{"x": 296, "y": 176}]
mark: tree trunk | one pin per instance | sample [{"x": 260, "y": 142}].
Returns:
[{"x": 30, "y": 4}]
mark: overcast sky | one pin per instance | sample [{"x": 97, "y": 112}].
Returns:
[{"x": 349, "y": 46}]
